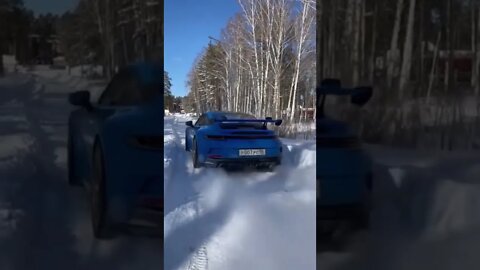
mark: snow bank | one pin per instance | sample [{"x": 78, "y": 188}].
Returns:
[
  {"x": 242, "y": 224},
  {"x": 9, "y": 62},
  {"x": 86, "y": 70},
  {"x": 299, "y": 153},
  {"x": 12, "y": 149},
  {"x": 441, "y": 197},
  {"x": 11, "y": 144},
  {"x": 71, "y": 82},
  {"x": 304, "y": 130},
  {"x": 425, "y": 215}
]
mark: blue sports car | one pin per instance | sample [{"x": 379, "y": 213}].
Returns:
[
  {"x": 344, "y": 169},
  {"x": 226, "y": 139},
  {"x": 115, "y": 147}
]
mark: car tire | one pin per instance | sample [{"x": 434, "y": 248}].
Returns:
[
  {"x": 363, "y": 222},
  {"x": 195, "y": 155},
  {"x": 274, "y": 165},
  {"x": 102, "y": 228},
  {"x": 268, "y": 168},
  {"x": 73, "y": 178}
]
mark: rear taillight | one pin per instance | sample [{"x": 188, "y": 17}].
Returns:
[
  {"x": 240, "y": 137},
  {"x": 215, "y": 137},
  {"x": 148, "y": 142},
  {"x": 215, "y": 156}
]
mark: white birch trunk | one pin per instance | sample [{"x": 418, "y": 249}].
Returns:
[
  {"x": 356, "y": 43},
  {"x": 434, "y": 66},
  {"x": 407, "y": 51},
  {"x": 306, "y": 21},
  {"x": 477, "y": 57},
  {"x": 373, "y": 44},
  {"x": 474, "y": 75},
  {"x": 391, "y": 56}
]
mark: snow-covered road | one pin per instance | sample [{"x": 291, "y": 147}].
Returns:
[
  {"x": 44, "y": 223},
  {"x": 251, "y": 220}
]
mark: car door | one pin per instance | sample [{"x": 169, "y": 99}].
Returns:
[
  {"x": 192, "y": 131},
  {"x": 112, "y": 99}
]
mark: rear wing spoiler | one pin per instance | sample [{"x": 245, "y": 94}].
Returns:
[
  {"x": 359, "y": 95},
  {"x": 277, "y": 122}
]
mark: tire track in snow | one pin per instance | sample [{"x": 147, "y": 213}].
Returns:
[
  {"x": 179, "y": 171},
  {"x": 199, "y": 258},
  {"x": 42, "y": 194}
]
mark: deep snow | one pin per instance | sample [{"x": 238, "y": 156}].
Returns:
[
  {"x": 248, "y": 220},
  {"x": 426, "y": 214},
  {"x": 44, "y": 223}
]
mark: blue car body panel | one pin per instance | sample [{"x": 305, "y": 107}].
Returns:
[
  {"x": 343, "y": 176},
  {"x": 343, "y": 169},
  {"x": 132, "y": 171},
  {"x": 220, "y": 141}
]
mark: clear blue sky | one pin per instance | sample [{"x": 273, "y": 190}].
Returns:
[
  {"x": 50, "y": 6},
  {"x": 188, "y": 23}
]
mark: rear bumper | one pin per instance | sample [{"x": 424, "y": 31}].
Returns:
[
  {"x": 127, "y": 192},
  {"x": 211, "y": 151},
  {"x": 232, "y": 162},
  {"x": 154, "y": 203},
  {"x": 152, "y": 186}
]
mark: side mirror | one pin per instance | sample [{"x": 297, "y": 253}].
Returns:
[
  {"x": 361, "y": 95},
  {"x": 278, "y": 122},
  {"x": 330, "y": 83},
  {"x": 80, "y": 98},
  {"x": 328, "y": 87},
  {"x": 189, "y": 123}
]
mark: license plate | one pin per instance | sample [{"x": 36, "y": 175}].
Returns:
[{"x": 251, "y": 152}]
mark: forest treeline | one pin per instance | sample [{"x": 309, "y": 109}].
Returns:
[
  {"x": 112, "y": 33},
  {"x": 107, "y": 33},
  {"x": 421, "y": 56},
  {"x": 263, "y": 62}
]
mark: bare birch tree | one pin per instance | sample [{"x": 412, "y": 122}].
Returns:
[
  {"x": 407, "y": 51},
  {"x": 356, "y": 42},
  {"x": 476, "y": 62},
  {"x": 304, "y": 26},
  {"x": 392, "y": 56},
  {"x": 262, "y": 67}
]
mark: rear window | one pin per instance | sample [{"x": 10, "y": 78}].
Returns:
[
  {"x": 233, "y": 116},
  {"x": 150, "y": 91},
  {"x": 149, "y": 82},
  {"x": 238, "y": 125}
]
